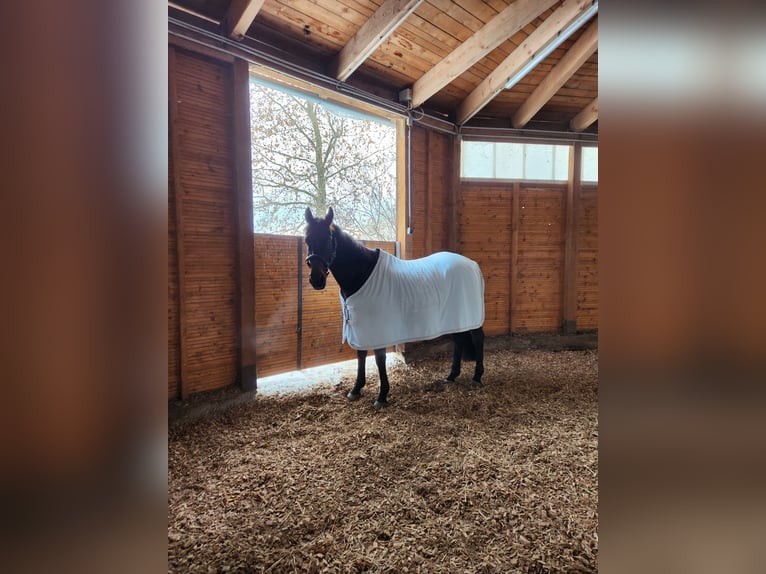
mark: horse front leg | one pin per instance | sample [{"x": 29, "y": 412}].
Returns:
[
  {"x": 356, "y": 392},
  {"x": 380, "y": 361}
]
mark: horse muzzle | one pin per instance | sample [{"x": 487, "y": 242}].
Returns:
[
  {"x": 318, "y": 278},
  {"x": 319, "y": 271}
]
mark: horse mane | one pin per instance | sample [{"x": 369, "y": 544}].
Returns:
[
  {"x": 348, "y": 240},
  {"x": 354, "y": 261}
]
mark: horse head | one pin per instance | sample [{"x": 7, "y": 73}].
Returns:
[{"x": 321, "y": 244}]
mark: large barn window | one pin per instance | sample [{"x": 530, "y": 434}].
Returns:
[
  {"x": 504, "y": 160},
  {"x": 589, "y": 164},
  {"x": 307, "y": 151}
]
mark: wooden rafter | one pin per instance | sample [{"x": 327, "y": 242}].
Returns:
[
  {"x": 586, "y": 117},
  {"x": 383, "y": 21},
  {"x": 542, "y": 36},
  {"x": 580, "y": 51},
  {"x": 489, "y": 37},
  {"x": 240, "y": 16}
]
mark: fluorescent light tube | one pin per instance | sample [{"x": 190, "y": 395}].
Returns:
[{"x": 560, "y": 38}]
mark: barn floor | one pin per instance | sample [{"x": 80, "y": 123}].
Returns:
[{"x": 446, "y": 479}]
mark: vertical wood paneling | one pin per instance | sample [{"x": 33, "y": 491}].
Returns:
[
  {"x": 402, "y": 213},
  {"x": 587, "y": 259},
  {"x": 455, "y": 191},
  {"x": 515, "y": 226},
  {"x": 207, "y": 219},
  {"x": 243, "y": 172},
  {"x": 538, "y": 303},
  {"x": 432, "y": 157},
  {"x": 528, "y": 222},
  {"x": 178, "y": 218},
  {"x": 428, "y": 216},
  {"x": 485, "y": 237},
  {"x": 419, "y": 193},
  {"x": 322, "y": 325},
  {"x": 440, "y": 154},
  {"x": 569, "y": 302},
  {"x": 174, "y": 329},
  {"x": 276, "y": 303}
]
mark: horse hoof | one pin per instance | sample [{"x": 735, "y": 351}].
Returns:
[
  {"x": 353, "y": 396},
  {"x": 449, "y": 381},
  {"x": 380, "y": 405},
  {"x": 476, "y": 384}
]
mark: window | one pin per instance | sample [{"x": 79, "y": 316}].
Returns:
[
  {"x": 308, "y": 152},
  {"x": 589, "y": 164},
  {"x": 504, "y": 160}
]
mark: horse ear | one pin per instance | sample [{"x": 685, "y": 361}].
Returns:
[
  {"x": 309, "y": 215},
  {"x": 329, "y": 216}
]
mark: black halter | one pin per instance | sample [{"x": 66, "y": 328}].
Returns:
[{"x": 312, "y": 256}]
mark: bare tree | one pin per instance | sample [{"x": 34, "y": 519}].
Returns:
[{"x": 308, "y": 155}]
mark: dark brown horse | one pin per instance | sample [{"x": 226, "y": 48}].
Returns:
[{"x": 330, "y": 249}]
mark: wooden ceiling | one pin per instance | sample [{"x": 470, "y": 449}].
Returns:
[{"x": 456, "y": 56}]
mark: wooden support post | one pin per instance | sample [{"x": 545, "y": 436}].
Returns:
[
  {"x": 402, "y": 166},
  {"x": 429, "y": 207},
  {"x": 299, "y": 346},
  {"x": 455, "y": 191},
  {"x": 244, "y": 203},
  {"x": 180, "y": 220},
  {"x": 515, "y": 224},
  {"x": 402, "y": 201},
  {"x": 569, "y": 325}
]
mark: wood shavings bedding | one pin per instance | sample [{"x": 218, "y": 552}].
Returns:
[{"x": 447, "y": 479}]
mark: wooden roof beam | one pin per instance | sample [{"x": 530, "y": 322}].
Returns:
[
  {"x": 240, "y": 16},
  {"x": 542, "y": 36},
  {"x": 373, "y": 32},
  {"x": 491, "y": 35},
  {"x": 586, "y": 117},
  {"x": 580, "y": 51}
]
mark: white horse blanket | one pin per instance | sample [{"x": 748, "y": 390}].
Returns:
[{"x": 414, "y": 300}]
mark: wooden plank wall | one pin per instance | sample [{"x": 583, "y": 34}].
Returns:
[
  {"x": 322, "y": 326},
  {"x": 516, "y": 232},
  {"x": 174, "y": 327},
  {"x": 485, "y": 237},
  {"x": 537, "y": 302},
  {"x": 431, "y": 193},
  {"x": 206, "y": 225},
  {"x": 587, "y": 259},
  {"x": 276, "y": 302}
]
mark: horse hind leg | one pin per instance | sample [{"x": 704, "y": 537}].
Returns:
[
  {"x": 458, "y": 341},
  {"x": 380, "y": 361},
  {"x": 356, "y": 391},
  {"x": 477, "y": 338}
]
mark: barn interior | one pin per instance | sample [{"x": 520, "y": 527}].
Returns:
[{"x": 496, "y": 479}]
